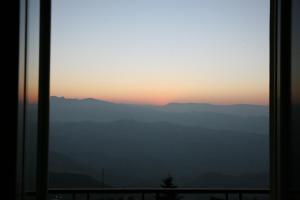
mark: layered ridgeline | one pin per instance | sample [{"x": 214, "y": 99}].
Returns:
[
  {"x": 241, "y": 117},
  {"x": 135, "y": 145}
]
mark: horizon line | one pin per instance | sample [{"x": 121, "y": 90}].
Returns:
[{"x": 149, "y": 104}]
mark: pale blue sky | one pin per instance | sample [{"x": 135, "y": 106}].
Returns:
[{"x": 160, "y": 51}]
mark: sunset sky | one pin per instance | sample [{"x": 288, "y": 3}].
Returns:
[{"x": 161, "y": 51}]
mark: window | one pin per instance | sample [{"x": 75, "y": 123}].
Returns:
[
  {"x": 40, "y": 53},
  {"x": 143, "y": 90}
]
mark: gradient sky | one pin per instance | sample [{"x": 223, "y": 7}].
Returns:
[{"x": 161, "y": 51}]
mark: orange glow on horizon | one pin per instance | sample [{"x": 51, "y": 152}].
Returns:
[
  {"x": 161, "y": 94},
  {"x": 159, "y": 100}
]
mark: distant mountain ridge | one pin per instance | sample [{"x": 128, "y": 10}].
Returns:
[
  {"x": 238, "y": 109},
  {"x": 242, "y": 117},
  {"x": 234, "y": 109}
]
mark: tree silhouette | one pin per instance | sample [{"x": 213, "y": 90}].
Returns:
[{"x": 168, "y": 184}]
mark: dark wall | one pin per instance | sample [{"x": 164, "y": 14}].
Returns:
[{"x": 9, "y": 88}]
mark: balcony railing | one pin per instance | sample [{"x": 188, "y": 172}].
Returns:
[{"x": 158, "y": 193}]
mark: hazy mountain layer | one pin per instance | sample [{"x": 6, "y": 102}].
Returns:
[
  {"x": 246, "y": 118},
  {"x": 136, "y": 153}
]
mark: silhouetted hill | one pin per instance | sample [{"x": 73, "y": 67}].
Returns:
[
  {"x": 72, "y": 180},
  {"x": 246, "y": 118},
  {"x": 134, "y": 153},
  {"x": 67, "y": 172},
  {"x": 58, "y": 162}
]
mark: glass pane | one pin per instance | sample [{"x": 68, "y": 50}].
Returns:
[
  {"x": 142, "y": 91},
  {"x": 31, "y": 89}
]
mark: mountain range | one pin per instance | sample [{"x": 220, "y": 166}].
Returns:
[
  {"x": 240, "y": 117},
  {"x": 138, "y": 145}
]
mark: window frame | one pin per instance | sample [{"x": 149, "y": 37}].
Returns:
[{"x": 279, "y": 97}]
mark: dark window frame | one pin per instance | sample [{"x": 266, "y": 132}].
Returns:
[
  {"x": 43, "y": 98},
  {"x": 279, "y": 90}
]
